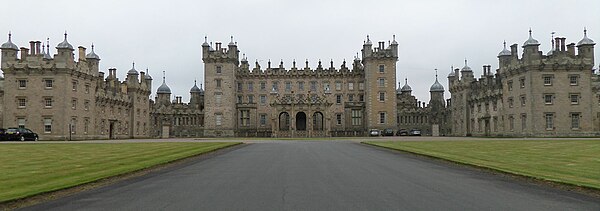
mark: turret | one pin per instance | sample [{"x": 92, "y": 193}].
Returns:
[
  {"x": 367, "y": 48},
  {"x": 504, "y": 56},
  {"x": 163, "y": 92},
  {"x": 466, "y": 73},
  {"x": 65, "y": 51},
  {"x": 9, "y": 50},
  {"x": 93, "y": 60},
  {"x": 195, "y": 93},
  {"x": 132, "y": 77},
  {"x": 585, "y": 47},
  {"x": 148, "y": 79},
  {"x": 531, "y": 48},
  {"x": 232, "y": 50},
  {"x": 452, "y": 76}
]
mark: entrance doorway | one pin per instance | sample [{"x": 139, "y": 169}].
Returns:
[
  {"x": 301, "y": 121},
  {"x": 111, "y": 130}
]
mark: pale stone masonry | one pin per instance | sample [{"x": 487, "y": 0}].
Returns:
[
  {"x": 556, "y": 94},
  {"x": 63, "y": 98}
]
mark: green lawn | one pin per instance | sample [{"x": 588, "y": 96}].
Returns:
[
  {"x": 574, "y": 162},
  {"x": 29, "y": 169}
]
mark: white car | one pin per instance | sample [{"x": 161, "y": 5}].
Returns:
[{"x": 374, "y": 132}]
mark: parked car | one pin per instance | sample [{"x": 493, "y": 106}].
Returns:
[
  {"x": 415, "y": 132},
  {"x": 388, "y": 132},
  {"x": 21, "y": 134},
  {"x": 374, "y": 132},
  {"x": 2, "y": 134},
  {"x": 402, "y": 132}
]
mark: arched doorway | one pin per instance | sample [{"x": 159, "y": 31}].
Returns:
[
  {"x": 284, "y": 121},
  {"x": 301, "y": 121},
  {"x": 318, "y": 121}
]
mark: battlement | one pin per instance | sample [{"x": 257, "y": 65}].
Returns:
[
  {"x": 379, "y": 52},
  {"x": 245, "y": 71}
]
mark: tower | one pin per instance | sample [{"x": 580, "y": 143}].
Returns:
[
  {"x": 585, "y": 47},
  {"x": 220, "y": 66},
  {"x": 380, "y": 80},
  {"x": 163, "y": 93}
]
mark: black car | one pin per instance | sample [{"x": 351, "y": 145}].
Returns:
[
  {"x": 2, "y": 134},
  {"x": 20, "y": 134},
  {"x": 388, "y": 132},
  {"x": 402, "y": 132}
]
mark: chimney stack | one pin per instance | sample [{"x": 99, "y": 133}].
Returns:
[
  {"x": 81, "y": 53},
  {"x": 37, "y": 47},
  {"x": 32, "y": 48},
  {"x": 571, "y": 49},
  {"x": 562, "y": 43}
]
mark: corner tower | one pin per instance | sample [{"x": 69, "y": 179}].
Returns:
[
  {"x": 220, "y": 66},
  {"x": 380, "y": 79}
]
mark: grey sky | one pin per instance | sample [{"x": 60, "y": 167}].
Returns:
[{"x": 167, "y": 35}]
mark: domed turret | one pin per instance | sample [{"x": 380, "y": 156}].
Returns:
[
  {"x": 132, "y": 71},
  {"x": 504, "y": 52},
  {"x": 163, "y": 88},
  {"x": 406, "y": 87},
  {"x": 9, "y": 44},
  {"x": 64, "y": 44},
  {"x": 530, "y": 41},
  {"x": 147, "y": 76},
  {"x": 466, "y": 68},
  {"x": 585, "y": 40},
  {"x": 436, "y": 87},
  {"x": 195, "y": 88},
  {"x": 92, "y": 54},
  {"x": 451, "y": 74}
]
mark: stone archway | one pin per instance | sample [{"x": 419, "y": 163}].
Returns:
[
  {"x": 318, "y": 121},
  {"x": 301, "y": 121},
  {"x": 284, "y": 121}
]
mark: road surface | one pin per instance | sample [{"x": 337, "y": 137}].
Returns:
[{"x": 313, "y": 175}]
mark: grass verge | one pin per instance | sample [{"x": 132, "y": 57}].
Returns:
[
  {"x": 30, "y": 169},
  {"x": 574, "y": 162}
]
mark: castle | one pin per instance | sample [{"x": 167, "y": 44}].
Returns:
[{"x": 553, "y": 95}]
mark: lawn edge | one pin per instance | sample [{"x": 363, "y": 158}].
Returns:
[
  {"x": 37, "y": 198},
  {"x": 587, "y": 190}
]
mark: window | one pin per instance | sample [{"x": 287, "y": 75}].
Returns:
[
  {"x": 48, "y": 102},
  {"x": 263, "y": 99},
  {"x": 73, "y": 125},
  {"x": 218, "y": 69},
  {"x": 381, "y": 82},
  {"x": 574, "y": 99},
  {"x": 218, "y": 98},
  {"x": 263, "y": 119},
  {"x": 86, "y": 125},
  {"x": 218, "y": 119},
  {"x": 86, "y": 106},
  {"x": 338, "y": 99},
  {"x": 510, "y": 102},
  {"x": 48, "y": 83},
  {"x": 522, "y": 100},
  {"x": 22, "y": 83},
  {"x": 381, "y": 117},
  {"x": 275, "y": 86},
  {"x": 511, "y": 122},
  {"x": 239, "y": 86},
  {"x": 547, "y": 80},
  {"x": 301, "y": 85},
  {"x": 21, "y": 102},
  {"x": 74, "y": 84},
  {"x": 549, "y": 121},
  {"x": 495, "y": 106},
  {"x": 381, "y": 68},
  {"x": 263, "y": 86},
  {"x": 338, "y": 86},
  {"x": 575, "y": 120},
  {"x": 250, "y": 98},
  {"x": 245, "y": 117},
  {"x": 509, "y": 84},
  {"x": 573, "y": 80},
  {"x": 351, "y": 86},
  {"x": 361, "y": 86},
  {"x": 21, "y": 122},
  {"x": 87, "y": 88},
  {"x": 361, "y": 97},
  {"x": 479, "y": 107},
  {"x": 313, "y": 86},
  {"x": 250, "y": 86},
  {"x": 338, "y": 119},
  {"x": 381, "y": 96},
  {"x": 74, "y": 104},
  {"x": 326, "y": 87},
  {"x": 522, "y": 82},
  {"x": 239, "y": 99},
  {"x": 350, "y": 97},
  {"x": 218, "y": 81},
  {"x": 47, "y": 125},
  {"x": 548, "y": 99},
  {"x": 495, "y": 124},
  {"x": 523, "y": 121},
  {"x": 356, "y": 117},
  {"x": 288, "y": 86}
]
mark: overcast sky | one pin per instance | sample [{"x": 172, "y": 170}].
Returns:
[{"x": 167, "y": 35}]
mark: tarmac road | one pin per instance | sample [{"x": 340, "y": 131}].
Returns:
[{"x": 312, "y": 175}]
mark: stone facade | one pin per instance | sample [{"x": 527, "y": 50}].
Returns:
[
  {"x": 62, "y": 98},
  {"x": 556, "y": 94}
]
